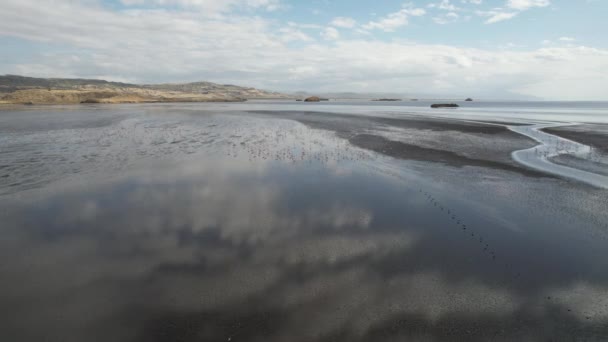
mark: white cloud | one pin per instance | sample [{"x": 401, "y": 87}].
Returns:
[
  {"x": 445, "y": 5},
  {"x": 447, "y": 18},
  {"x": 566, "y": 39},
  {"x": 330, "y": 33},
  {"x": 495, "y": 17},
  {"x": 290, "y": 34},
  {"x": 211, "y": 6},
  {"x": 395, "y": 20},
  {"x": 303, "y": 26},
  {"x": 513, "y": 8},
  {"x": 522, "y": 5},
  {"x": 160, "y": 46},
  {"x": 343, "y": 22}
]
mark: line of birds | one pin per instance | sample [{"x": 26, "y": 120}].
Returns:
[
  {"x": 486, "y": 246},
  {"x": 464, "y": 227},
  {"x": 302, "y": 144},
  {"x": 295, "y": 145}
]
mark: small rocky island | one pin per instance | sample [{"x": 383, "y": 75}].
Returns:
[
  {"x": 469, "y": 99},
  {"x": 444, "y": 105},
  {"x": 386, "y": 100},
  {"x": 313, "y": 99}
]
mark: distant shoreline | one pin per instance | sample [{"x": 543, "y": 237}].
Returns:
[
  {"x": 89, "y": 102},
  {"x": 7, "y": 105},
  {"x": 20, "y": 90}
]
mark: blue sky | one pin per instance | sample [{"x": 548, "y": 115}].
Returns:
[
  {"x": 585, "y": 20},
  {"x": 545, "y": 49}
]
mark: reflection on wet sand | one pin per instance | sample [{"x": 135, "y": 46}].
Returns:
[
  {"x": 231, "y": 255},
  {"x": 233, "y": 243}
]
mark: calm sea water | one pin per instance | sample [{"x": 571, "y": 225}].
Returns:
[
  {"x": 201, "y": 222},
  {"x": 593, "y": 112}
]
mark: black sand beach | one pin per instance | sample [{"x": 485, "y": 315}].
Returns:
[
  {"x": 454, "y": 152},
  {"x": 174, "y": 223}
]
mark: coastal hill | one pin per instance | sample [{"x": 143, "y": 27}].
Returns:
[{"x": 28, "y": 90}]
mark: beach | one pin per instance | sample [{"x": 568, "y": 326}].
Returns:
[{"x": 276, "y": 221}]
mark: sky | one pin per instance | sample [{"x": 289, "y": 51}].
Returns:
[{"x": 494, "y": 49}]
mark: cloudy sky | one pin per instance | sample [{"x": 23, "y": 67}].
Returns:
[{"x": 546, "y": 49}]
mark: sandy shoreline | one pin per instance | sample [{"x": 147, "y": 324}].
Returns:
[{"x": 374, "y": 134}]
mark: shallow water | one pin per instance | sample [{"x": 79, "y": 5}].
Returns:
[
  {"x": 168, "y": 223},
  {"x": 524, "y": 112},
  {"x": 551, "y": 146}
]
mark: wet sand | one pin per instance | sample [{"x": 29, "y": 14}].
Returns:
[
  {"x": 174, "y": 223},
  {"x": 357, "y": 130},
  {"x": 400, "y": 150},
  {"x": 592, "y": 135},
  {"x": 595, "y": 136},
  {"x": 598, "y": 167}
]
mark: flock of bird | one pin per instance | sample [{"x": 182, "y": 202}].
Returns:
[
  {"x": 293, "y": 145},
  {"x": 303, "y": 145},
  {"x": 468, "y": 230},
  {"x": 558, "y": 146}
]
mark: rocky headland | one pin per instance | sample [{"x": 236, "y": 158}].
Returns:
[{"x": 28, "y": 90}]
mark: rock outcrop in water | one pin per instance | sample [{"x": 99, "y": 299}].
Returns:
[
  {"x": 313, "y": 99},
  {"x": 444, "y": 105},
  {"x": 469, "y": 99}
]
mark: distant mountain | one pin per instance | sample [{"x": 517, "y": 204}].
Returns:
[
  {"x": 350, "y": 95},
  {"x": 30, "y": 90},
  {"x": 210, "y": 88},
  {"x": 10, "y": 83},
  {"x": 487, "y": 96}
]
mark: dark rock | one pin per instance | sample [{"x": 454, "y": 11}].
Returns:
[
  {"x": 90, "y": 101},
  {"x": 313, "y": 99},
  {"x": 469, "y": 99},
  {"x": 444, "y": 105}
]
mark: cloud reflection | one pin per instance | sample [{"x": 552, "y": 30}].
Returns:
[{"x": 219, "y": 252}]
